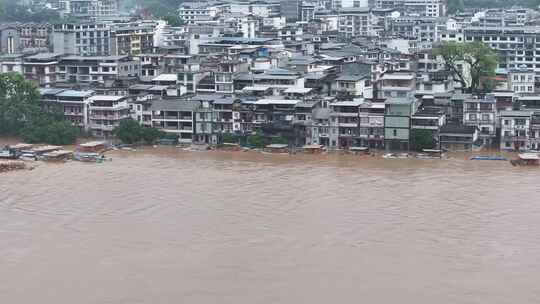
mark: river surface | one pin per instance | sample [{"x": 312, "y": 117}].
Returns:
[{"x": 169, "y": 226}]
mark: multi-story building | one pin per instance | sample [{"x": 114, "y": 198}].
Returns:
[
  {"x": 522, "y": 80},
  {"x": 34, "y": 35},
  {"x": 516, "y": 46},
  {"x": 371, "y": 131},
  {"x": 132, "y": 39},
  {"x": 9, "y": 39},
  {"x": 11, "y": 63},
  {"x": 175, "y": 117},
  {"x": 397, "y": 85},
  {"x": 89, "y": 9},
  {"x": 482, "y": 114},
  {"x": 106, "y": 112},
  {"x": 96, "y": 69},
  {"x": 83, "y": 39},
  {"x": 534, "y": 137},
  {"x": 397, "y": 122},
  {"x": 355, "y": 22},
  {"x": 344, "y": 124},
  {"x": 74, "y": 105},
  {"x": 194, "y": 12},
  {"x": 457, "y": 137},
  {"x": 352, "y": 85},
  {"x": 41, "y": 68},
  {"x": 429, "y": 119},
  {"x": 428, "y": 8},
  {"x": 515, "y": 130}
]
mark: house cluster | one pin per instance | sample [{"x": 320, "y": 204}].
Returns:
[{"x": 337, "y": 73}]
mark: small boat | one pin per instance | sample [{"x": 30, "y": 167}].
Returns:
[
  {"x": 313, "y": 149},
  {"x": 28, "y": 156},
  {"x": 57, "y": 156},
  {"x": 89, "y": 157},
  {"x": 526, "y": 159},
  {"x": 396, "y": 156},
  {"x": 489, "y": 157},
  {"x": 276, "y": 149},
  {"x": 9, "y": 154},
  {"x": 359, "y": 150}
]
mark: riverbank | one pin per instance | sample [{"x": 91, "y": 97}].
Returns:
[{"x": 329, "y": 157}]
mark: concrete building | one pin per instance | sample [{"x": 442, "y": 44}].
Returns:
[
  {"x": 132, "y": 39},
  {"x": 106, "y": 112},
  {"x": 481, "y": 114},
  {"x": 371, "y": 131},
  {"x": 9, "y": 39},
  {"x": 42, "y": 68},
  {"x": 96, "y": 69},
  {"x": 397, "y": 122},
  {"x": 397, "y": 85},
  {"x": 82, "y": 39},
  {"x": 291, "y": 10},
  {"x": 175, "y": 117},
  {"x": 456, "y": 137},
  {"x": 35, "y": 36},
  {"x": 344, "y": 124},
  {"x": 522, "y": 80},
  {"x": 73, "y": 104},
  {"x": 355, "y": 22},
  {"x": 11, "y": 63},
  {"x": 515, "y": 130},
  {"x": 89, "y": 9}
]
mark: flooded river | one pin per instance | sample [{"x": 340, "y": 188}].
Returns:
[{"x": 168, "y": 226}]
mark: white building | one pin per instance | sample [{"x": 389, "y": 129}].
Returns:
[
  {"x": 106, "y": 112},
  {"x": 515, "y": 130}
]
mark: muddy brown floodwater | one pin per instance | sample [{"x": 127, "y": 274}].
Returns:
[{"x": 169, "y": 226}]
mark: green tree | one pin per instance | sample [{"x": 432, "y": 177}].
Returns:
[
  {"x": 422, "y": 139},
  {"x": 256, "y": 141},
  {"x": 19, "y": 103},
  {"x": 45, "y": 128},
  {"x": 128, "y": 131},
  {"x": 151, "y": 135},
  {"x": 173, "y": 19},
  {"x": 280, "y": 141},
  {"x": 469, "y": 63},
  {"x": 230, "y": 138}
]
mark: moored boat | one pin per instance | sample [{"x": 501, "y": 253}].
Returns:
[
  {"x": 489, "y": 157},
  {"x": 526, "y": 159},
  {"x": 57, "y": 156},
  {"x": 89, "y": 157}
]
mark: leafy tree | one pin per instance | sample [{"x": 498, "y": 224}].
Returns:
[
  {"x": 230, "y": 138},
  {"x": 44, "y": 128},
  {"x": 128, "y": 131},
  {"x": 19, "y": 103},
  {"x": 151, "y": 135},
  {"x": 476, "y": 58},
  {"x": 256, "y": 141},
  {"x": 422, "y": 139},
  {"x": 280, "y": 140},
  {"x": 173, "y": 19}
]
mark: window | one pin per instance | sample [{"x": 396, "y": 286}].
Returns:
[
  {"x": 506, "y": 122},
  {"x": 395, "y": 132}
]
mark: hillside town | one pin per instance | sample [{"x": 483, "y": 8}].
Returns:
[{"x": 341, "y": 74}]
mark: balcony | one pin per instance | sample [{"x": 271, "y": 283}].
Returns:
[
  {"x": 348, "y": 124},
  {"x": 102, "y": 127}
]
